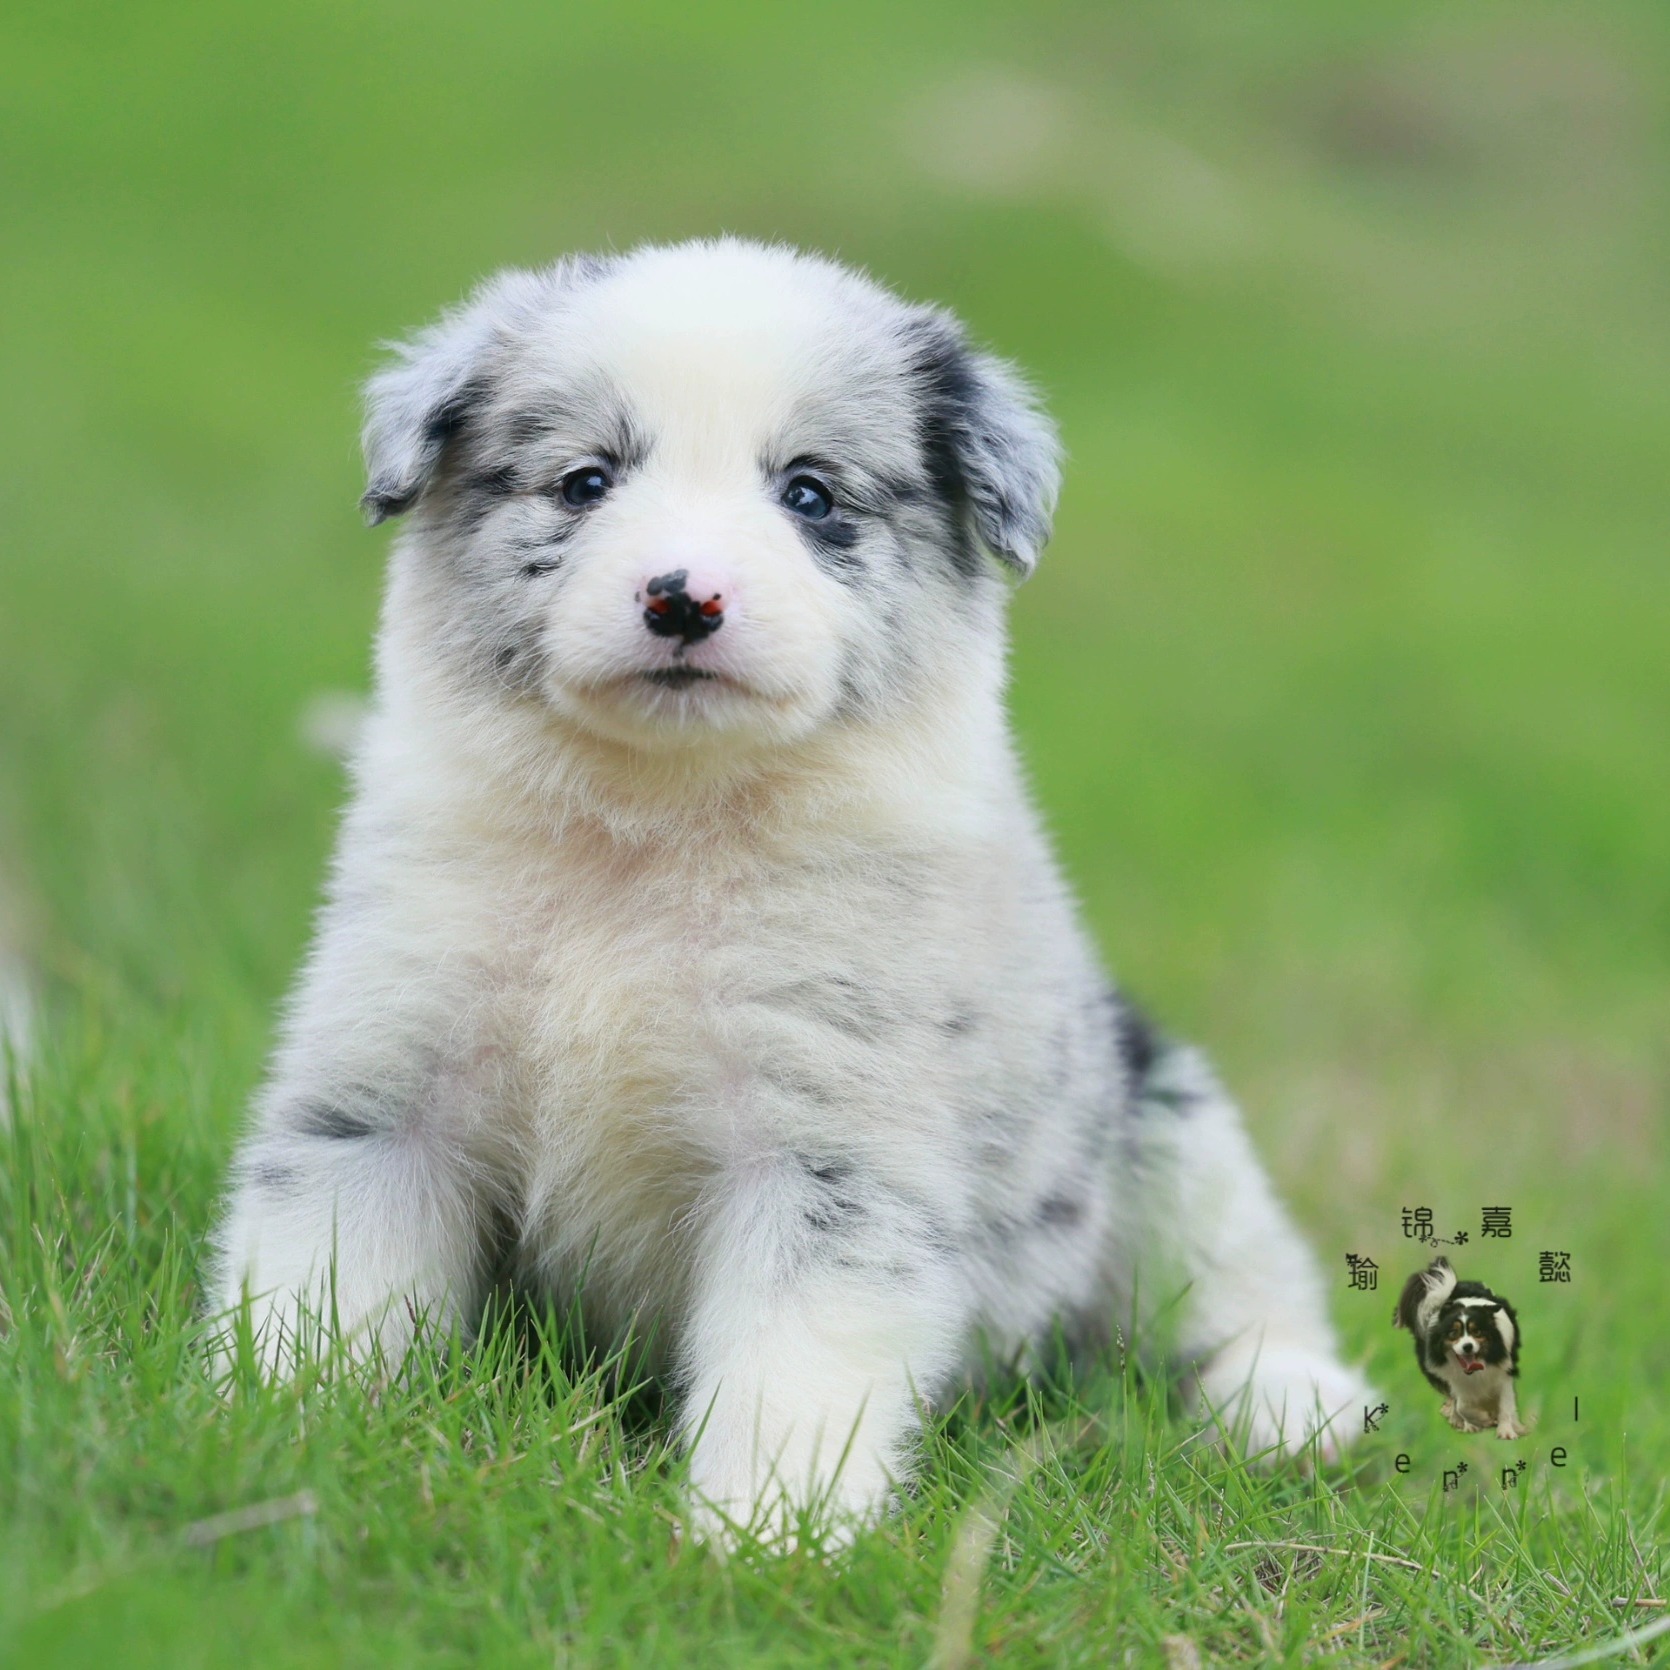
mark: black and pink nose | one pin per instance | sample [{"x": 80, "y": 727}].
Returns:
[{"x": 675, "y": 609}]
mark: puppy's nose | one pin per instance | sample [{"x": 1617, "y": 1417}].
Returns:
[{"x": 674, "y": 608}]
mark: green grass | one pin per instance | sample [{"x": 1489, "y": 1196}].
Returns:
[{"x": 1344, "y": 686}]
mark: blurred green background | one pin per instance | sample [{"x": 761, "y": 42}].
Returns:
[{"x": 1345, "y": 681}]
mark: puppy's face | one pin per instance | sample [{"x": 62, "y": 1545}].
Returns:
[
  {"x": 1469, "y": 1333},
  {"x": 705, "y": 494}
]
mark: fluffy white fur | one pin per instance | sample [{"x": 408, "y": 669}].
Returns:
[{"x": 750, "y": 1012}]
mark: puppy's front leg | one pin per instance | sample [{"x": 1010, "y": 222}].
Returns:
[
  {"x": 359, "y": 1198},
  {"x": 346, "y": 1216},
  {"x": 827, "y": 1303}
]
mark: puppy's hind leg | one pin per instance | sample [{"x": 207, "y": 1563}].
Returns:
[{"x": 1252, "y": 1324}]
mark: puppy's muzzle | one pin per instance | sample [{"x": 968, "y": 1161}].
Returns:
[{"x": 672, "y": 610}]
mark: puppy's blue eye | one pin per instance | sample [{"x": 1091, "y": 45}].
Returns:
[
  {"x": 807, "y": 496},
  {"x": 586, "y": 485}
]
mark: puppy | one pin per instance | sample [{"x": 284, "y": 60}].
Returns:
[
  {"x": 1467, "y": 1343},
  {"x": 692, "y": 952}
]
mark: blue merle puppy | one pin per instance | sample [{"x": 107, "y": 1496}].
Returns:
[{"x": 692, "y": 944}]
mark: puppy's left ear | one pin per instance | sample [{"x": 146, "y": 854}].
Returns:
[{"x": 989, "y": 442}]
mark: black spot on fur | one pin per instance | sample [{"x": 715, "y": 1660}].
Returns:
[
  {"x": 380, "y": 503},
  {"x": 274, "y": 1177},
  {"x": 832, "y": 543},
  {"x": 833, "y": 1212},
  {"x": 479, "y": 492},
  {"x": 1059, "y": 1211},
  {"x": 627, "y": 446},
  {"x": 1142, "y": 1048},
  {"x": 948, "y": 392},
  {"x": 497, "y": 482},
  {"x": 451, "y": 418},
  {"x": 524, "y": 428},
  {"x": 865, "y": 1222},
  {"x": 1139, "y": 1043},
  {"x": 834, "y": 1204},
  {"x": 335, "y": 1124},
  {"x": 999, "y": 1232},
  {"x": 541, "y": 553}
]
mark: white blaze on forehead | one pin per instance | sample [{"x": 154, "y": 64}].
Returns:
[
  {"x": 723, "y": 291},
  {"x": 716, "y": 351},
  {"x": 1471, "y": 1322}
]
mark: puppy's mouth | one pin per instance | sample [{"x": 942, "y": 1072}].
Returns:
[
  {"x": 678, "y": 697},
  {"x": 1469, "y": 1365},
  {"x": 680, "y": 678}
]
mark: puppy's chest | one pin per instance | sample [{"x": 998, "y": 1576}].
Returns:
[
  {"x": 1480, "y": 1392},
  {"x": 683, "y": 1010}
]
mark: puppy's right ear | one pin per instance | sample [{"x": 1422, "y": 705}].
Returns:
[
  {"x": 419, "y": 403},
  {"x": 415, "y": 406}
]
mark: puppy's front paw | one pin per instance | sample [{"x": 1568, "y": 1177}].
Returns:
[
  {"x": 1281, "y": 1397},
  {"x": 1511, "y": 1428},
  {"x": 738, "y": 1493}
]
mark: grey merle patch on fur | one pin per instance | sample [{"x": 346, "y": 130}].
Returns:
[
  {"x": 1139, "y": 1042},
  {"x": 1059, "y": 1211},
  {"x": 835, "y": 1203},
  {"x": 334, "y": 1123},
  {"x": 273, "y": 1176}
]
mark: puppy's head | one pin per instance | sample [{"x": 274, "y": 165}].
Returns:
[
  {"x": 1476, "y": 1333},
  {"x": 706, "y": 496}
]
